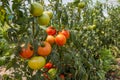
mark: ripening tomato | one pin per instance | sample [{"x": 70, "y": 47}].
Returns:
[
  {"x": 36, "y": 62},
  {"x": 48, "y": 65},
  {"x": 45, "y": 49},
  {"x": 66, "y": 33},
  {"x": 51, "y": 30},
  {"x": 60, "y": 39},
  {"x": 27, "y": 52},
  {"x": 50, "y": 39}
]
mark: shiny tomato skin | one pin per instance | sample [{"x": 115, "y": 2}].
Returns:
[
  {"x": 44, "y": 50},
  {"x": 60, "y": 39},
  {"x": 51, "y": 30}
]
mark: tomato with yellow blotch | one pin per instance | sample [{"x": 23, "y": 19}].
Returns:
[{"x": 36, "y": 62}]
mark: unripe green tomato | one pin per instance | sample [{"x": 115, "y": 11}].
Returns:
[
  {"x": 81, "y": 5},
  {"x": 36, "y": 9},
  {"x": 91, "y": 27},
  {"x": 50, "y": 13},
  {"x": 44, "y": 19},
  {"x": 52, "y": 72}
]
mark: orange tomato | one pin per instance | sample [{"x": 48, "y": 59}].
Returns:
[
  {"x": 60, "y": 39},
  {"x": 27, "y": 52},
  {"x": 50, "y": 39},
  {"x": 66, "y": 33},
  {"x": 44, "y": 50}
]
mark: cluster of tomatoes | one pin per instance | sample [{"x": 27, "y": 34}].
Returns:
[
  {"x": 42, "y": 17},
  {"x": 43, "y": 50},
  {"x": 59, "y": 38},
  {"x": 37, "y": 58}
]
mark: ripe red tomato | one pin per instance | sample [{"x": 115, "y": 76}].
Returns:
[
  {"x": 27, "y": 52},
  {"x": 51, "y": 30},
  {"x": 66, "y": 33},
  {"x": 50, "y": 39},
  {"x": 49, "y": 65},
  {"x": 44, "y": 50},
  {"x": 60, "y": 39}
]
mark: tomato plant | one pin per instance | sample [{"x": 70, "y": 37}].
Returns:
[{"x": 93, "y": 44}]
